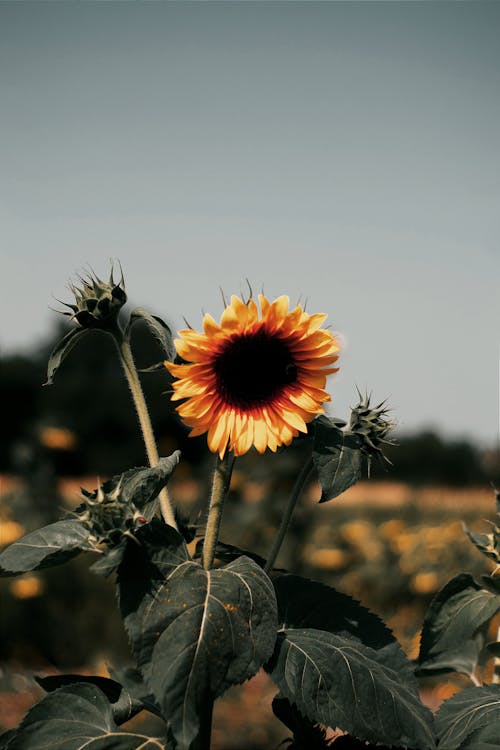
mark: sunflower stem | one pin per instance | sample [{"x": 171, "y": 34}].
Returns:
[
  {"x": 220, "y": 486},
  {"x": 292, "y": 502},
  {"x": 134, "y": 383}
]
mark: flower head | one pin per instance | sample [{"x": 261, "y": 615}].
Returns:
[
  {"x": 108, "y": 514},
  {"x": 371, "y": 425},
  {"x": 97, "y": 302},
  {"x": 253, "y": 380}
]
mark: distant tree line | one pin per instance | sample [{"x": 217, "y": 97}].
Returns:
[{"x": 90, "y": 401}]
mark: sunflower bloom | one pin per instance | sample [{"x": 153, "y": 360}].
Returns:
[{"x": 253, "y": 380}]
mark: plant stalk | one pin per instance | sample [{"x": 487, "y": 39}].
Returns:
[
  {"x": 220, "y": 486},
  {"x": 292, "y": 502},
  {"x": 132, "y": 376}
]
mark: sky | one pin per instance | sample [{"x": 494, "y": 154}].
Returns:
[{"x": 346, "y": 154}]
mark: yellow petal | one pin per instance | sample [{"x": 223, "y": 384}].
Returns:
[
  {"x": 260, "y": 434},
  {"x": 210, "y": 326},
  {"x": 305, "y": 401},
  {"x": 229, "y": 320},
  {"x": 276, "y": 313}
]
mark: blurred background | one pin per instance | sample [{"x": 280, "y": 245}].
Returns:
[{"x": 345, "y": 154}]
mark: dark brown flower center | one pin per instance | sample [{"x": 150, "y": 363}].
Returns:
[{"x": 252, "y": 369}]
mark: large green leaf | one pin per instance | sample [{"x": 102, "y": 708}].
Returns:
[
  {"x": 454, "y": 630},
  {"x": 61, "y": 351},
  {"x": 193, "y": 632},
  {"x": 470, "y": 719},
  {"x": 51, "y": 545},
  {"x": 76, "y": 717},
  {"x": 340, "y": 666},
  {"x": 484, "y": 738},
  {"x": 337, "y": 457},
  {"x": 303, "y": 603},
  {"x": 123, "y": 705}
]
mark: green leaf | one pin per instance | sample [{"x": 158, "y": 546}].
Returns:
[
  {"x": 455, "y": 625},
  {"x": 160, "y": 331},
  {"x": 337, "y": 457},
  {"x": 488, "y": 544},
  {"x": 142, "y": 486},
  {"x": 132, "y": 681},
  {"x": 484, "y": 738},
  {"x": 341, "y": 667},
  {"x": 110, "y": 559},
  {"x": 470, "y": 719},
  {"x": 306, "y": 734},
  {"x": 61, "y": 351},
  {"x": 51, "y": 545},
  {"x": 76, "y": 717},
  {"x": 123, "y": 705},
  {"x": 228, "y": 552},
  {"x": 6, "y": 738},
  {"x": 193, "y": 632}
]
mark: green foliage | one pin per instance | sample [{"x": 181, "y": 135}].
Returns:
[
  {"x": 97, "y": 303},
  {"x": 46, "y": 547},
  {"x": 489, "y": 544},
  {"x": 341, "y": 667},
  {"x": 470, "y": 720},
  {"x": 371, "y": 425},
  {"x": 196, "y": 630},
  {"x": 104, "y": 516},
  {"x": 61, "y": 351},
  {"x": 75, "y": 717},
  {"x": 123, "y": 704},
  {"x": 455, "y": 627},
  {"x": 337, "y": 457},
  {"x": 160, "y": 331},
  {"x": 193, "y": 632},
  {"x": 306, "y": 734}
]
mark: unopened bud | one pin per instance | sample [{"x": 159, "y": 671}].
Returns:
[
  {"x": 372, "y": 426},
  {"x": 97, "y": 302}
]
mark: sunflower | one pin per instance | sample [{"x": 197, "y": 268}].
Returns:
[{"x": 253, "y": 380}]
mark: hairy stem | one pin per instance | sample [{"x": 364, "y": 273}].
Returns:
[
  {"x": 292, "y": 502},
  {"x": 220, "y": 486},
  {"x": 144, "y": 420}
]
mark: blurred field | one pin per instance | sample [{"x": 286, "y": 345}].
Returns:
[{"x": 390, "y": 545}]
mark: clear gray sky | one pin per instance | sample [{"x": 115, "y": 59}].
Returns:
[{"x": 343, "y": 153}]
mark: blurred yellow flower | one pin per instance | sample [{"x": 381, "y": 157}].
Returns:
[{"x": 27, "y": 588}]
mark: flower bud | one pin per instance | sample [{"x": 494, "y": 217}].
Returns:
[
  {"x": 108, "y": 515},
  {"x": 371, "y": 426},
  {"x": 97, "y": 302}
]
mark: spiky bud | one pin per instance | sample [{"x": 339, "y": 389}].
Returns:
[
  {"x": 97, "y": 302},
  {"x": 108, "y": 515},
  {"x": 372, "y": 426}
]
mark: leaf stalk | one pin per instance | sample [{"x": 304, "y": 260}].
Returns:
[{"x": 292, "y": 502}]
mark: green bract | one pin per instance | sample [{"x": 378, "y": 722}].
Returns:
[
  {"x": 371, "y": 425},
  {"x": 97, "y": 302}
]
